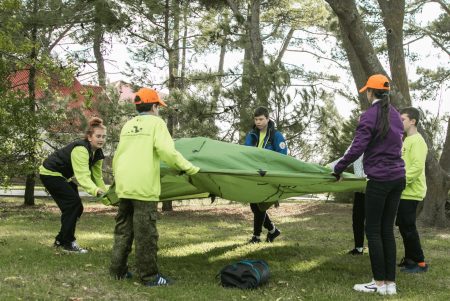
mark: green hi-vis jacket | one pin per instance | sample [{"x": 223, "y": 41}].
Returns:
[
  {"x": 144, "y": 140},
  {"x": 414, "y": 153}
]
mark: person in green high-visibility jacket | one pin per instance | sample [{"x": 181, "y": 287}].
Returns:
[
  {"x": 82, "y": 159},
  {"x": 414, "y": 153},
  {"x": 144, "y": 141}
]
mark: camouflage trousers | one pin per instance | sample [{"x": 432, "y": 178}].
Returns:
[{"x": 135, "y": 220}]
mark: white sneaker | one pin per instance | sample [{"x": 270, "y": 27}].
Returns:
[
  {"x": 391, "y": 288},
  {"x": 370, "y": 287}
]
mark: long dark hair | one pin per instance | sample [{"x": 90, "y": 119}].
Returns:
[{"x": 383, "y": 123}]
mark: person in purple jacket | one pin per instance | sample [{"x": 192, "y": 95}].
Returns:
[{"x": 379, "y": 137}]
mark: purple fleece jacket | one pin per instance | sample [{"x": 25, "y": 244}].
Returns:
[{"x": 382, "y": 158}]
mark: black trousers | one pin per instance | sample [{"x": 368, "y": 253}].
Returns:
[
  {"x": 260, "y": 219},
  {"x": 68, "y": 200},
  {"x": 406, "y": 222},
  {"x": 382, "y": 199},
  {"x": 358, "y": 219}
]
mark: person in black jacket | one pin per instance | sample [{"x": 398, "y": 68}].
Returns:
[
  {"x": 264, "y": 135},
  {"x": 83, "y": 159}
]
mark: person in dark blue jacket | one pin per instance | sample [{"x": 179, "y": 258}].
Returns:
[{"x": 264, "y": 135}]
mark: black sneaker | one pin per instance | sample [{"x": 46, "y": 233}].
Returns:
[
  {"x": 406, "y": 263},
  {"x": 74, "y": 248},
  {"x": 355, "y": 252},
  {"x": 159, "y": 281},
  {"x": 57, "y": 244},
  {"x": 254, "y": 240},
  {"x": 413, "y": 269},
  {"x": 271, "y": 236}
]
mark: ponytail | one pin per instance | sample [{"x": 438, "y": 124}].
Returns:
[
  {"x": 94, "y": 123},
  {"x": 383, "y": 122}
]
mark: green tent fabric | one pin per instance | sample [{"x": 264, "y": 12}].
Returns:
[{"x": 247, "y": 174}]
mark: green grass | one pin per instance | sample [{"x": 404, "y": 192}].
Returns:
[{"x": 307, "y": 262}]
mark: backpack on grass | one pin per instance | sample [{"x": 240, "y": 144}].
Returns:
[{"x": 245, "y": 274}]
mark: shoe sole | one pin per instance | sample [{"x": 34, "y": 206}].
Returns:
[{"x": 73, "y": 252}]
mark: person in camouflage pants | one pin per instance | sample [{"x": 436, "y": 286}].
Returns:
[
  {"x": 144, "y": 140},
  {"x": 143, "y": 222}
]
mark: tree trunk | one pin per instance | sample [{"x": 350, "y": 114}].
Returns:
[
  {"x": 359, "y": 75},
  {"x": 438, "y": 185},
  {"x": 218, "y": 82},
  {"x": 351, "y": 20},
  {"x": 393, "y": 13},
  {"x": 254, "y": 78},
  {"x": 174, "y": 58},
  {"x": 259, "y": 81},
  {"x": 29, "y": 189},
  {"x": 245, "y": 103},
  {"x": 31, "y": 131},
  {"x": 445, "y": 156},
  {"x": 97, "y": 47},
  {"x": 176, "y": 40},
  {"x": 182, "y": 84}
]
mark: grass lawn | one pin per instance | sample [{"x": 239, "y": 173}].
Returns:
[{"x": 307, "y": 262}]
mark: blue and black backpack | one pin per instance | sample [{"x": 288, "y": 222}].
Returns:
[{"x": 245, "y": 274}]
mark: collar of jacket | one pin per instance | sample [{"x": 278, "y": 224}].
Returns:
[
  {"x": 270, "y": 128},
  {"x": 93, "y": 155},
  {"x": 270, "y": 132}
]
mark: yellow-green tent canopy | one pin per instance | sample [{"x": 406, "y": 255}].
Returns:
[{"x": 247, "y": 174}]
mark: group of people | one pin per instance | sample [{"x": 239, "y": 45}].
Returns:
[
  {"x": 395, "y": 170},
  {"x": 144, "y": 141},
  {"x": 391, "y": 192}
]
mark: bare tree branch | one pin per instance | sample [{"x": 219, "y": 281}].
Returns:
[
  {"x": 285, "y": 45},
  {"x": 318, "y": 56},
  {"x": 235, "y": 10},
  {"x": 432, "y": 36},
  {"x": 443, "y": 5},
  {"x": 147, "y": 40},
  {"x": 274, "y": 31}
]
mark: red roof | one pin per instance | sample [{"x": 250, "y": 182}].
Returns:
[{"x": 75, "y": 90}]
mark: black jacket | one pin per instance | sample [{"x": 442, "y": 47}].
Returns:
[{"x": 60, "y": 160}]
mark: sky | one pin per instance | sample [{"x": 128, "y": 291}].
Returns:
[{"x": 118, "y": 56}]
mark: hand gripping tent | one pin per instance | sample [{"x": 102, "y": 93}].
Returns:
[{"x": 247, "y": 174}]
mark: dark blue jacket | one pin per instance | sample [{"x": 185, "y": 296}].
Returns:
[
  {"x": 382, "y": 158},
  {"x": 274, "y": 140}
]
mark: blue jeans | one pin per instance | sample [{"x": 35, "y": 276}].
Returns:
[{"x": 382, "y": 199}]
